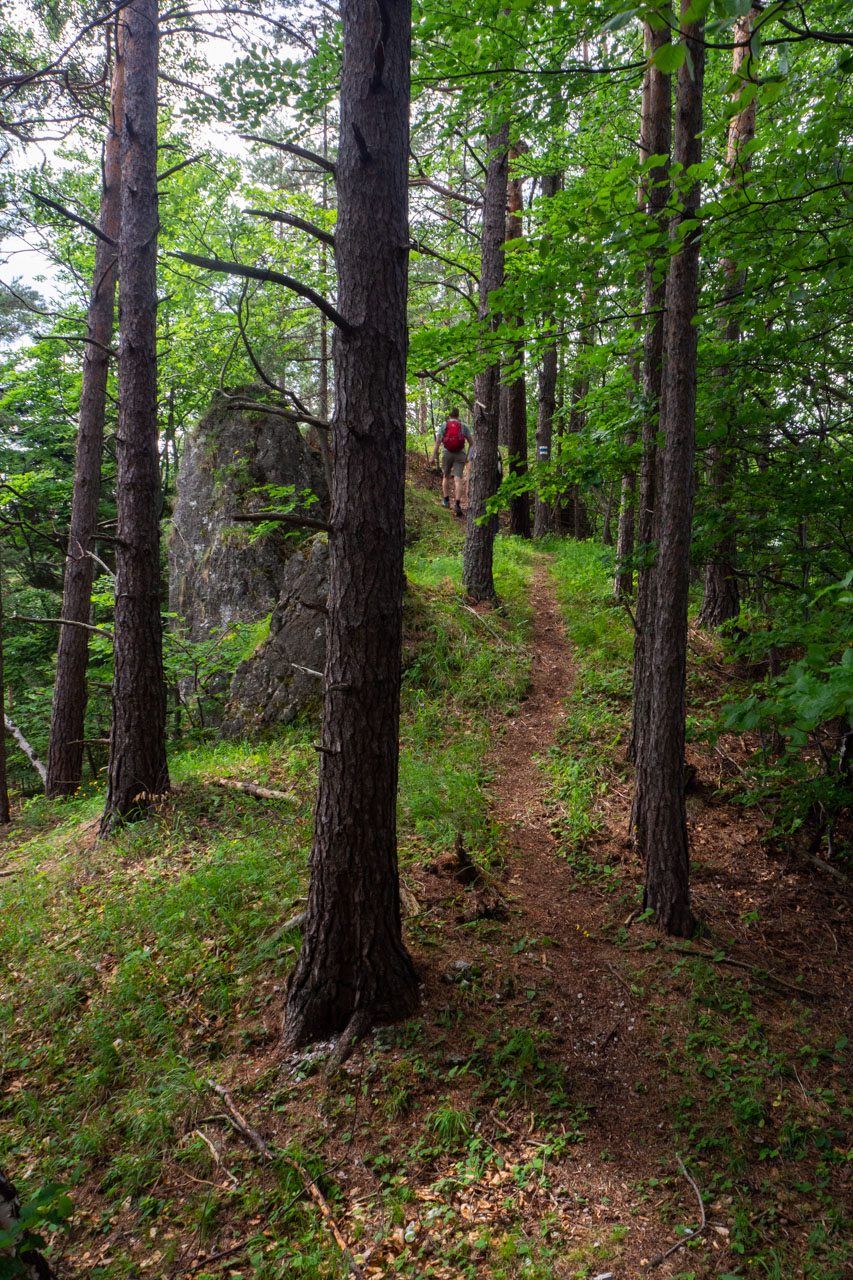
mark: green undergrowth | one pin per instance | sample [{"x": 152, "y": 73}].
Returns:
[
  {"x": 588, "y": 746},
  {"x": 459, "y": 665},
  {"x": 761, "y": 1107},
  {"x": 137, "y": 969}
]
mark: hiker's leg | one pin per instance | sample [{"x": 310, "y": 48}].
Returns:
[{"x": 446, "y": 476}]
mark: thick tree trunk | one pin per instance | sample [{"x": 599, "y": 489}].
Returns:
[
  {"x": 658, "y": 142},
  {"x": 516, "y": 390},
  {"x": 477, "y": 575},
  {"x": 353, "y": 969},
  {"x": 65, "y": 751},
  {"x": 543, "y": 512},
  {"x": 661, "y": 824},
  {"x": 137, "y": 767},
  {"x": 721, "y": 601}
]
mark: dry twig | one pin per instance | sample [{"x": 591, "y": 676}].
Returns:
[
  {"x": 266, "y": 1152},
  {"x": 691, "y": 1235},
  {"x": 253, "y": 789}
]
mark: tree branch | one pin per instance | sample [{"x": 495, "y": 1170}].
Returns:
[
  {"x": 420, "y": 247},
  {"x": 282, "y": 517},
  {"x": 62, "y": 622},
  {"x": 270, "y": 277},
  {"x": 290, "y": 220},
  {"x": 292, "y": 149},
  {"x": 12, "y": 728},
  {"x": 176, "y": 168},
  {"x": 73, "y": 217}
]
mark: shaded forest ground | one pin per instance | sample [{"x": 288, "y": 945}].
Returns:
[{"x": 530, "y": 1120}]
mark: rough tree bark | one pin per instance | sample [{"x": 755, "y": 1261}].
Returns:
[
  {"x": 516, "y": 390},
  {"x": 137, "y": 766},
  {"x": 721, "y": 600},
  {"x": 479, "y": 538},
  {"x": 661, "y": 825},
  {"x": 623, "y": 582},
  {"x": 68, "y": 714},
  {"x": 353, "y": 969},
  {"x": 658, "y": 142},
  {"x": 543, "y": 513}
]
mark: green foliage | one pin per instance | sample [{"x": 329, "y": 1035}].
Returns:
[{"x": 804, "y": 715}]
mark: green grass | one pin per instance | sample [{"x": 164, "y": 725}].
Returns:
[{"x": 583, "y": 759}]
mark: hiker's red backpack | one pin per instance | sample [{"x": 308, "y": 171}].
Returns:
[{"x": 454, "y": 437}]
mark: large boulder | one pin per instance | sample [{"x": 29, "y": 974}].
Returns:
[
  {"x": 283, "y": 677},
  {"x": 221, "y": 573}
]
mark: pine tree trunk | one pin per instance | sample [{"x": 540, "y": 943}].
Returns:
[
  {"x": 516, "y": 390},
  {"x": 68, "y": 715},
  {"x": 543, "y": 512},
  {"x": 479, "y": 538},
  {"x": 658, "y": 142},
  {"x": 353, "y": 968},
  {"x": 623, "y": 583},
  {"x": 137, "y": 767},
  {"x": 721, "y": 600},
  {"x": 661, "y": 823}
]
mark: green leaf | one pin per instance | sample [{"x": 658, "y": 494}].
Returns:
[
  {"x": 669, "y": 57},
  {"x": 620, "y": 20}
]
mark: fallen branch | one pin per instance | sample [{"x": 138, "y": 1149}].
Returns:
[
  {"x": 833, "y": 871},
  {"x": 12, "y": 728},
  {"x": 217, "y": 1159},
  {"x": 719, "y": 958},
  {"x": 281, "y": 517},
  {"x": 254, "y": 789},
  {"x": 691, "y": 1235},
  {"x": 266, "y": 1152}
]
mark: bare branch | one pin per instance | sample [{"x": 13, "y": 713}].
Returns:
[
  {"x": 12, "y": 728},
  {"x": 290, "y": 220},
  {"x": 161, "y": 177},
  {"x": 62, "y": 622},
  {"x": 270, "y": 277},
  {"x": 74, "y": 217},
  {"x": 293, "y": 150},
  {"x": 420, "y": 247},
  {"x": 281, "y": 517}
]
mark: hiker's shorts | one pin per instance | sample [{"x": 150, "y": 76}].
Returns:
[{"x": 453, "y": 462}]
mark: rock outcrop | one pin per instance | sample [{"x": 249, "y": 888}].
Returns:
[
  {"x": 283, "y": 677},
  {"x": 221, "y": 573},
  {"x": 218, "y": 572}
]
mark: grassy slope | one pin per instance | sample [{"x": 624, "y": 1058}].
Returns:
[{"x": 139, "y": 969}]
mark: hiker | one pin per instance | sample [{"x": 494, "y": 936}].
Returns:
[{"x": 452, "y": 439}]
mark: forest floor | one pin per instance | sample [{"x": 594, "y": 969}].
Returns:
[{"x": 577, "y": 1094}]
